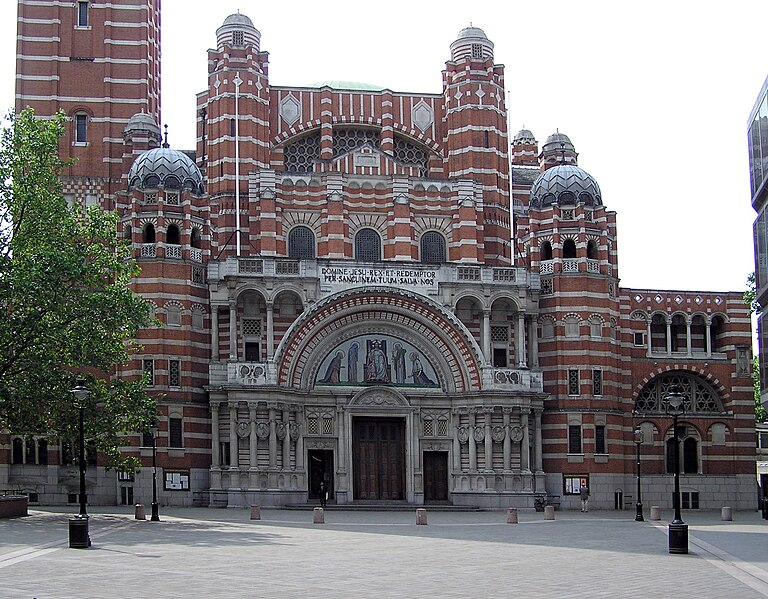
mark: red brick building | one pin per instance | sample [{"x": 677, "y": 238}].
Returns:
[{"x": 346, "y": 298}]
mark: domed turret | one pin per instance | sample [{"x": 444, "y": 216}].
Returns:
[
  {"x": 473, "y": 43},
  {"x": 557, "y": 150},
  {"x": 524, "y": 136},
  {"x": 165, "y": 167},
  {"x": 525, "y": 149},
  {"x": 237, "y": 31},
  {"x": 142, "y": 123},
  {"x": 565, "y": 185}
]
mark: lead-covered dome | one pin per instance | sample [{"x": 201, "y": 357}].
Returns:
[
  {"x": 565, "y": 185},
  {"x": 524, "y": 136},
  {"x": 237, "y": 31},
  {"x": 142, "y": 122},
  {"x": 167, "y": 168},
  {"x": 471, "y": 42}
]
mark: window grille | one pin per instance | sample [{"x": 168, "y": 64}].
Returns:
[
  {"x": 287, "y": 267},
  {"x": 428, "y": 428},
  {"x": 238, "y": 38},
  {"x": 172, "y": 199},
  {"x": 327, "y": 426},
  {"x": 468, "y": 273},
  {"x": 148, "y": 366},
  {"x": 547, "y": 288},
  {"x": 300, "y": 156},
  {"x": 573, "y": 381},
  {"x": 313, "y": 427},
  {"x": 198, "y": 275},
  {"x": 410, "y": 153},
  {"x": 174, "y": 373},
  {"x": 346, "y": 140},
  {"x": 698, "y": 396},
  {"x": 150, "y": 198},
  {"x": 251, "y": 327},
  {"x": 175, "y": 433},
  {"x": 173, "y": 251},
  {"x": 442, "y": 428},
  {"x": 251, "y": 266},
  {"x": 367, "y": 245},
  {"x": 504, "y": 274},
  {"x": 432, "y": 248},
  {"x": 477, "y": 51},
  {"x": 567, "y": 214},
  {"x": 301, "y": 243},
  {"x": 500, "y": 334},
  {"x": 597, "y": 382}
]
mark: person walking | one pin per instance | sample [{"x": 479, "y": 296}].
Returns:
[
  {"x": 584, "y": 495},
  {"x": 323, "y": 494}
]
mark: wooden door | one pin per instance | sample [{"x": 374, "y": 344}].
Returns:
[
  {"x": 378, "y": 449},
  {"x": 435, "y": 476}
]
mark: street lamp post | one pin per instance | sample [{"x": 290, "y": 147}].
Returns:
[
  {"x": 678, "y": 530},
  {"x": 155, "y": 511},
  {"x": 79, "y": 537},
  {"x": 638, "y": 434}
]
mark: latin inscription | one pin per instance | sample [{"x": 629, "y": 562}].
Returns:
[{"x": 379, "y": 276}]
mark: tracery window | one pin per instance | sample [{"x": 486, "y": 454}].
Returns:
[
  {"x": 346, "y": 140},
  {"x": 300, "y": 156},
  {"x": 432, "y": 248},
  {"x": 367, "y": 245},
  {"x": 409, "y": 153},
  {"x": 699, "y": 396},
  {"x": 301, "y": 243}
]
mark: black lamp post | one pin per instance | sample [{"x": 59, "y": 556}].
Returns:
[
  {"x": 155, "y": 512},
  {"x": 79, "y": 537},
  {"x": 638, "y": 434},
  {"x": 678, "y": 530}
]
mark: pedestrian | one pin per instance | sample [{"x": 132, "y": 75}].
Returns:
[
  {"x": 584, "y": 495},
  {"x": 323, "y": 493}
]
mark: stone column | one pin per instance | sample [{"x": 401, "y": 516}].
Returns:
[
  {"x": 709, "y": 338},
  {"x": 456, "y": 445},
  {"x": 525, "y": 444},
  {"x": 520, "y": 330},
  {"x": 215, "y": 443},
  {"x": 233, "y": 331},
  {"x": 538, "y": 446},
  {"x": 488, "y": 438},
  {"x": 233, "y": 452},
  {"x": 272, "y": 436},
  {"x": 507, "y": 441},
  {"x": 270, "y": 330},
  {"x": 648, "y": 334},
  {"x": 688, "y": 335},
  {"x": 300, "y": 440},
  {"x": 471, "y": 441},
  {"x": 286, "y": 440},
  {"x": 341, "y": 427},
  {"x": 215, "y": 333},
  {"x": 534, "y": 343},
  {"x": 486, "y": 336},
  {"x": 253, "y": 438},
  {"x": 669, "y": 335}
]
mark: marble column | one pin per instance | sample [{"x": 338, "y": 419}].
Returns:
[
  {"x": 486, "y": 336},
  {"x": 648, "y": 335},
  {"x": 270, "y": 331},
  {"x": 233, "y": 450},
  {"x": 507, "y": 441},
  {"x": 520, "y": 330},
  {"x": 488, "y": 439},
  {"x": 688, "y": 336},
  {"x": 534, "y": 344},
  {"x": 253, "y": 438},
  {"x": 537, "y": 442},
  {"x": 471, "y": 441},
  {"x": 299, "y": 411},
  {"x": 215, "y": 443},
  {"x": 525, "y": 444},
  {"x": 286, "y": 440},
  {"x": 709, "y": 338},
  {"x": 669, "y": 335},
  {"x": 233, "y": 331},
  {"x": 272, "y": 436},
  {"x": 215, "y": 333}
]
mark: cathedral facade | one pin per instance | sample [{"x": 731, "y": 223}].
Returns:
[{"x": 383, "y": 292}]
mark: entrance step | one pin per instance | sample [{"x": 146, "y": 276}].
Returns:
[{"x": 383, "y": 506}]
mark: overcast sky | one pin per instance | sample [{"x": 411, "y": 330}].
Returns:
[{"x": 655, "y": 97}]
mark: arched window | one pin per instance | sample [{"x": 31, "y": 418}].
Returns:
[
  {"x": 679, "y": 331},
  {"x": 432, "y": 248},
  {"x": 18, "y": 451},
  {"x": 128, "y": 232},
  {"x": 592, "y": 249},
  {"x": 569, "y": 248},
  {"x": 658, "y": 333},
  {"x": 301, "y": 243},
  {"x": 546, "y": 251},
  {"x": 690, "y": 456},
  {"x": 149, "y": 233},
  {"x": 174, "y": 315},
  {"x": 81, "y": 128},
  {"x": 194, "y": 239},
  {"x": 717, "y": 329},
  {"x": 699, "y": 396},
  {"x": 171, "y": 182},
  {"x": 367, "y": 245},
  {"x": 172, "y": 236}
]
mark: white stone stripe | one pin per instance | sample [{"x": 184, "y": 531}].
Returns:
[
  {"x": 56, "y": 98},
  {"x": 37, "y": 77},
  {"x": 29, "y": 38},
  {"x": 96, "y": 59},
  {"x": 39, "y": 21}
]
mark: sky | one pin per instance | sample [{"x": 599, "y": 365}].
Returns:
[{"x": 655, "y": 96}]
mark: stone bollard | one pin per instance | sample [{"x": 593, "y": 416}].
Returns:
[
  {"x": 655, "y": 512},
  {"x": 512, "y": 515},
  {"x": 549, "y": 512},
  {"x": 318, "y": 516},
  {"x": 421, "y": 516},
  {"x": 255, "y": 512},
  {"x": 139, "y": 512},
  {"x": 726, "y": 514}
]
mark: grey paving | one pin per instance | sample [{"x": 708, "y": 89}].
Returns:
[{"x": 222, "y": 553}]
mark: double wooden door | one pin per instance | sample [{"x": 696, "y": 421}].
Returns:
[{"x": 378, "y": 450}]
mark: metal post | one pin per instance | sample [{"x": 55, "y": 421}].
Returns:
[
  {"x": 79, "y": 536},
  {"x": 678, "y": 530},
  {"x": 676, "y": 500},
  {"x": 639, "y": 505},
  {"x": 155, "y": 510},
  {"x": 81, "y": 460}
]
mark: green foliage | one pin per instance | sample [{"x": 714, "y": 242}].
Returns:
[
  {"x": 65, "y": 304},
  {"x": 750, "y": 295},
  {"x": 760, "y": 414}
]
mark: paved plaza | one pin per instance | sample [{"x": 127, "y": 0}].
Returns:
[{"x": 222, "y": 553}]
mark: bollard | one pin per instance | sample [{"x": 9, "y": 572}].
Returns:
[
  {"x": 549, "y": 512},
  {"x": 726, "y": 514},
  {"x": 318, "y": 516},
  {"x": 512, "y": 515},
  {"x": 139, "y": 512},
  {"x": 655, "y": 512},
  {"x": 421, "y": 516},
  {"x": 255, "y": 512}
]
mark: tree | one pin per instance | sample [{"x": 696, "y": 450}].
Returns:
[
  {"x": 760, "y": 413},
  {"x": 65, "y": 305},
  {"x": 750, "y": 295}
]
